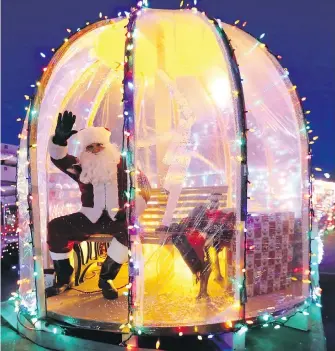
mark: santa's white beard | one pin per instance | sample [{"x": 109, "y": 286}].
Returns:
[{"x": 100, "y": 167}]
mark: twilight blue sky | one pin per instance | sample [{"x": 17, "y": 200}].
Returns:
[{"x": 302, "y": 31}]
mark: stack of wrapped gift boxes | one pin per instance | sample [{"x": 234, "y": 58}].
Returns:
[{"x": 270, "y": 245}]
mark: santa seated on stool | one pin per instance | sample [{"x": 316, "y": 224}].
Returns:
[{"x": 100, "y": 174}]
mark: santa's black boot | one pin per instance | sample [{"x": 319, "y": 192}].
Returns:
[
  {"x": 109, "y": 271},
  {"x": 64, "y": 278}
]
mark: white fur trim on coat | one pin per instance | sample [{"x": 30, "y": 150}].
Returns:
[
  {"x": 55, "y": 256},
  {"x": 104, "y": 196},
  {"x": 57, "y": 152},
  {"x": 117, "y": 251}
]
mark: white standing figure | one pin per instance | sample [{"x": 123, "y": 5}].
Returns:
[{"x": 179, "y": 154}]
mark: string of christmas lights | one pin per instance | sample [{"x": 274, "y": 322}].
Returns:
[{"x": 128, "y": 151}]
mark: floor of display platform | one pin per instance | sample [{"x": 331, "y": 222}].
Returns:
[
  {"x": 88, "y": 305},
  {"x": 164, "y": 310}
]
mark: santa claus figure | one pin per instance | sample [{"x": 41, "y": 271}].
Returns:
[{"x": 100, "y": 174}]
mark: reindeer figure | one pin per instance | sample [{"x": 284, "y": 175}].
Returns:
[{"x": 200, "y": 237}]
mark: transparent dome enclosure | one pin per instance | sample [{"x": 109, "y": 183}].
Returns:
[
  {"x": 277, "y": 260},
  {"x": 187, "y": 144},
  {"x": 190, "y": 245}
]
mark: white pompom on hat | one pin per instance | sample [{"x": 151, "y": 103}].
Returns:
[{"x": 92, "y": 135}]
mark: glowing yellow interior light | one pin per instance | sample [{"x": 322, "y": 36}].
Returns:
[{"x": 220, "y": 91}]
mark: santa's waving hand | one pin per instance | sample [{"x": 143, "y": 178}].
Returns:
[
  {"x": 102, "y": 180},
  {"x": 64, "y": 128}
]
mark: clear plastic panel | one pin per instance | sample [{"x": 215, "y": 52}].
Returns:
[
  {"x": 186, "y": 144},
  {"x": 27, "y": 287},
  {"x": 277, "y": 241},
  {"x": 86, "y": 80},
  {"x": 77, "y": 65}
]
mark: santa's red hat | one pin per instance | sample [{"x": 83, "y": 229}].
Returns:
[{"x": 92, "y": 135}]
